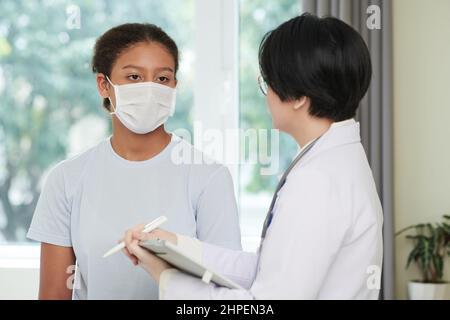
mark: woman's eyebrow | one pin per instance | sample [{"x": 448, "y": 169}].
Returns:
[
  {"x": 132, "y": 66},
  {"x": 164, "y": 69},
  {"x": 141, "y": 68}
]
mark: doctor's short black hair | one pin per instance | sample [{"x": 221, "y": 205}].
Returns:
[
  {"x": 114, "y": 41},
  {"x": 321, "y": 58}
]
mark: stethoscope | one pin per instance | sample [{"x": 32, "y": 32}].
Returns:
[{"x": 281, "y": 183}]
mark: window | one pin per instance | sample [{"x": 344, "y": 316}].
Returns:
[
  {"x": 256, "y": 189},
  {"x": 49, "y": 105}
]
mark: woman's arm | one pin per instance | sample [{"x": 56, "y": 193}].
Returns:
[
  {"x": 51, "y": 227},
  {"x": 216, "y": 212},
  {"x": 57, "y": 267}
]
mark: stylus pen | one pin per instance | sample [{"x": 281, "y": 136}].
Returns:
[{"x": 148, "y": 228}]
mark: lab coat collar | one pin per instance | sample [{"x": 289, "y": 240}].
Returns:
[
  {"x": 339, "y": 134},
  {"x": 343, "y": 123},
  {"x": 334, "y": 125}
]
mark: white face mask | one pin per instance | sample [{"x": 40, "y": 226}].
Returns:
[{"x": 143, "y": 107}]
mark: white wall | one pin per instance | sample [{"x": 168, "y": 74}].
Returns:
[
  {"x": 19, "y": 283},
  {"x": 421, "y": 42},
  {"x": 19, "y": 271}
]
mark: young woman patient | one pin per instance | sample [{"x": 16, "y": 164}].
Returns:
[{"x": 89, "y": 200}]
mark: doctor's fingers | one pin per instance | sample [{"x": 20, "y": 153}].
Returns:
[
  {"x": 139, "y": 235},
  {"x": 140, "y": 253},
  {"x": 128, "y": 240},
  {"x": 133, "y": 259},
  {"x": 139, "y": 227},
  {"x": 128, "y": 237}
]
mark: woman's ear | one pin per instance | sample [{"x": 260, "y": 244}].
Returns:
[
  {"x": 300, "y": 102},
  {"x": 102, "y": 85}
]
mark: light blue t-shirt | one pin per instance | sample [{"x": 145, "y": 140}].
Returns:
[{"x": 90, "y": 200}]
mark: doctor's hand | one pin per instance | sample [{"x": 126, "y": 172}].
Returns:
[{"x": 140, "y": 256}]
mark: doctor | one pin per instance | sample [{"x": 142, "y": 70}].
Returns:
[{"x": 322, "y": 236}]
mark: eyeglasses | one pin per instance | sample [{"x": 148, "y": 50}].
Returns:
[{"x": 262, "y": 85}]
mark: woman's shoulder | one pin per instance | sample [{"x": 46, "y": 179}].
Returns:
[
  {"x": 184, "y": 153},
  {"x": 201, "y": 167},
  {"x": 78, "y": 161},
  {"x": 71, "y": 170}
]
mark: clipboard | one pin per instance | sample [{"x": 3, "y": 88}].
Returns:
[{"x": 185, "y": 262}]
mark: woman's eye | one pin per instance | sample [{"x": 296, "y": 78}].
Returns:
[
  {"x": 162, "y": 79},
  {"x": 134, "y": 77}
]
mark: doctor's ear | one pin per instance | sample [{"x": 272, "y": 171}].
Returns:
[{"x": 299, "y": 103}]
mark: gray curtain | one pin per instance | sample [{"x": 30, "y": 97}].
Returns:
[{"x": 375, "y": 113}]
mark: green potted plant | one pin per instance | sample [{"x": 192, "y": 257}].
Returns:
[{"x": 431, "y": 246}]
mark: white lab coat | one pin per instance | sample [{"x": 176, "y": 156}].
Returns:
[{"x": 324, "y": 242}]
